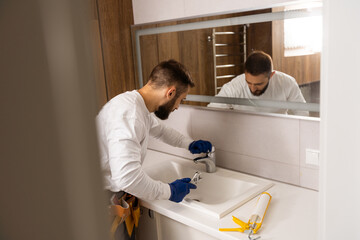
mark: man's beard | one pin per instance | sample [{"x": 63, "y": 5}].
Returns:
[
  {"x": 164, "y": 111},
  {"x": 260, "y": 92},
  {"x": 257, "y": 92}
]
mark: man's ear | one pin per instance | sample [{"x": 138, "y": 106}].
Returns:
[{"x": 171, "y": 92}]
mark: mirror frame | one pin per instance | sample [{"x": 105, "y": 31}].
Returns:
[{"x": 248, "y": 19}]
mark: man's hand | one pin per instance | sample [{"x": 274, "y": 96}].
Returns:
[
  {"x": 180, "y": 188},
  {"x": 200, "y": 146}
]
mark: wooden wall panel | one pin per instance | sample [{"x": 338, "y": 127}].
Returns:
[
  {"x": 116, "y": 18},
  {"x": 168, "y": 45},
  {"x": 259, "y": 37},
  {"x": 149, "y": 55},
  {"x": 193, "y": 55}
]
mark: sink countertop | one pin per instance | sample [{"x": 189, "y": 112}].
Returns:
[{"x": 292, "y": 213}]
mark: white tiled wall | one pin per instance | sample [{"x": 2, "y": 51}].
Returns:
[
  {"x": 267, "y": 146},
  {"x": 309, "y": 139}
]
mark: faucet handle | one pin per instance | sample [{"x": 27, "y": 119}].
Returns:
[
  {"x": 212, "y": 153},
  {"x": 207, "y": 155}
]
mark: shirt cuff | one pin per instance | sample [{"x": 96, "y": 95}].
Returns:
[
  {"x": 186, "y": 142},
  {"x": 166, "y": 193}
]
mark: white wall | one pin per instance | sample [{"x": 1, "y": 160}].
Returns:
[
  {"x": 340, "y": 125},
  {"x": 267, "y": 146},
  {"x": 146, "y": 11}
]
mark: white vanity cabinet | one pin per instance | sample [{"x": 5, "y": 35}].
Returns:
[
  {"x": 168, "y": 228},
  {"x": 154, "y": 226}
]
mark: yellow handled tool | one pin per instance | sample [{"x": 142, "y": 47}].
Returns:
[
  {"x": 243, "y": 226},
  {"x": 256, "y": 218},
  {"x": 231, "y": 229}
]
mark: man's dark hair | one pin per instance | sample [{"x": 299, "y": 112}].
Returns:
[
  {"x": 258, "y": 63},
  {"x": 171, "y": 73}
]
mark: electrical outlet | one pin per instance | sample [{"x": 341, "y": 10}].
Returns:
[{"x": 312, "y": 157}]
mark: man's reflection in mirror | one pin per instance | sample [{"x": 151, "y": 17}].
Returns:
[{"x": 260, "y": 81}]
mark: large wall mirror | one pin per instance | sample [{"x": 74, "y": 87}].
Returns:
[{"x": 215, "y": 48}]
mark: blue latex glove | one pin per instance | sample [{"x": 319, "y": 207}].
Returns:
[
  {"x": 200, "y": 146},
  {"x": 180, "y": 188}
]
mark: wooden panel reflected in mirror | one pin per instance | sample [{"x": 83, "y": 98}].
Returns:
[
  {"x": 195, "y": 49},
  {"x": 216, "y": 55}
]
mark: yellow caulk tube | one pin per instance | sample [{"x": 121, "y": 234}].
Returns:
[{"x": 258, "y": 214}]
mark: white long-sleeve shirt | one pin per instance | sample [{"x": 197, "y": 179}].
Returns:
[
  {"x": 124, "y": 125},
  {"x": 282, "y": 87}
]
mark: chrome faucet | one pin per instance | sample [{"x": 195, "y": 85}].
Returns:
[{"x": 209, "y": 159}]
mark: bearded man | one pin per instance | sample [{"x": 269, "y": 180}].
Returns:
[
  {"x": 124, "y": 125},
  {"x": 261, "y": 82}
]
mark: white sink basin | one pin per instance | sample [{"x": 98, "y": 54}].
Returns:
[{"x": 218, "y": 193}]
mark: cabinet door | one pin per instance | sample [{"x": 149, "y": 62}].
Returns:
[{"x": 171, "y": 229}]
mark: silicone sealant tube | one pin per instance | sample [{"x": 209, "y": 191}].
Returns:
[{"x": 259, "y": 212}]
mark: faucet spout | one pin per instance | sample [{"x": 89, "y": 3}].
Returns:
[{"x": 209, "y": 159}]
